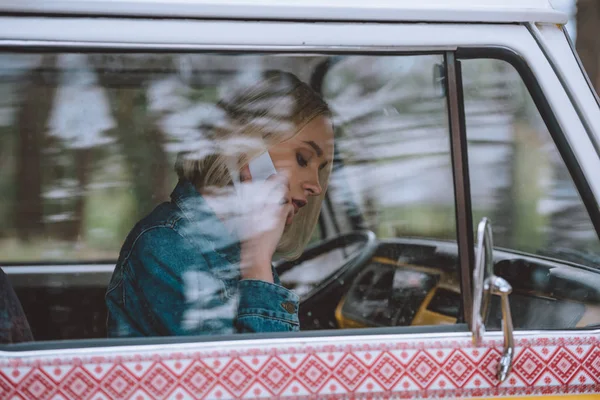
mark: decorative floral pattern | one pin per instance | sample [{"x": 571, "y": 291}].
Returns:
[{"x": 355, "y": 368}]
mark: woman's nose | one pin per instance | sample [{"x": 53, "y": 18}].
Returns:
[{"x": 313, "y": 188}]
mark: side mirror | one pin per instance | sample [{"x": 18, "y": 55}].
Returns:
[{"x": 486, "y": 284}]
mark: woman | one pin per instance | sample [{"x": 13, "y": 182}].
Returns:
[{"x": 201, "y": 263}]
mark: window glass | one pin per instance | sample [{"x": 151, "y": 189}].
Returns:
[
  {"x": 393, "y": 176},
  {"x": 128, "y": 175},
  {"x": 518, "y": 178},
  {"x": 392, "y": 137},
  {"x": 90, "y": 142},
  {"x": 542, "y": 232}
]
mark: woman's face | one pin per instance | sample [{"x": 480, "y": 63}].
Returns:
[{"x": 301, "y": 158}]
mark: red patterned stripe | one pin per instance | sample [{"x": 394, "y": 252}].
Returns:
[{"x": 407, "y": 369}]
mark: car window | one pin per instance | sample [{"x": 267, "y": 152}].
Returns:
[
  {"x": 518, "y": 178},
  {"x": 546, "y": 246},
  {"x": 393, "y": 142},
  {"x": 393, "y": 176},
  {"x": 128, "y": 175}
]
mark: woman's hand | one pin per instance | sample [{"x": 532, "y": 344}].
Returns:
[{"x": 266, "y": 206}]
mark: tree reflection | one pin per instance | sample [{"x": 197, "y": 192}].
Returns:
[
  {"x": 88, "y": 145},
  {"x": 32, "y": 118}
]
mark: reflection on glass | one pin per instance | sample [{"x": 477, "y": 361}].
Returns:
[
  {"x": 91, "y": 144},
  {"x": 305, "y": 277},
  {"x": 518, "y": 178},
  {"x": 392, "y": 137},
  {"x": 93, "y": 141}
]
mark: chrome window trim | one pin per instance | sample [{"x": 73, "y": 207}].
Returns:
[
  {"x": 234, "y": 345},
  {"x": 52, "y": 45},
  {"x": 35, "y": 269},
  {"x": 59, "y": 276}
]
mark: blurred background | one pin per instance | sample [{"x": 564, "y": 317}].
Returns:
[{"x": 87, "y": 145}]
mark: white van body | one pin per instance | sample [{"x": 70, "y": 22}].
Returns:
[{"x": 322, "y": 364}]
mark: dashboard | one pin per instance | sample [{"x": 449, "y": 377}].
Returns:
[
  {"x": 392, "y": 293},
  {"x": 403, "y": 292}
]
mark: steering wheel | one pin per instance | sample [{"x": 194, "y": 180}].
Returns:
[{"x": 317, "y": 307}]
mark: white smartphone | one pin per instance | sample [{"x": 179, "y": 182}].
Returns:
[{"x": 261, "y": 168}]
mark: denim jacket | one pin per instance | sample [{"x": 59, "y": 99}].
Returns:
[{"x": 178, "y": 274}]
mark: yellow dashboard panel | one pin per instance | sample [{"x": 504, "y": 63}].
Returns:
[
  {"x": 423, "y": 315},
  {"x": 447, "y": 283}
]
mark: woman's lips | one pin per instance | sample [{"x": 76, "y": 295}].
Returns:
[{"x": 298, "y": 204}]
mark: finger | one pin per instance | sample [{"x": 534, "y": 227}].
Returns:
[
  {"x": 280, "y": 193},
  {"x": 245, "y": 174},
  {"x": 288, "y": 214}
]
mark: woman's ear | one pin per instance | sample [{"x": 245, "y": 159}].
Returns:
[{"x": 245, "y": 173}]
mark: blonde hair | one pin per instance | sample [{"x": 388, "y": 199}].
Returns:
[{"x": 269, "y": 111}]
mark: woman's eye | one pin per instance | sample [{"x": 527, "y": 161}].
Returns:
[{"x": 301, "y": 160}]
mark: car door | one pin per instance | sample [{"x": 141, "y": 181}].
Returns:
[{"x": 128, "y": 83}]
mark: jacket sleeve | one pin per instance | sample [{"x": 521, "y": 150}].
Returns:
[{"x": 266, "y": 307}]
